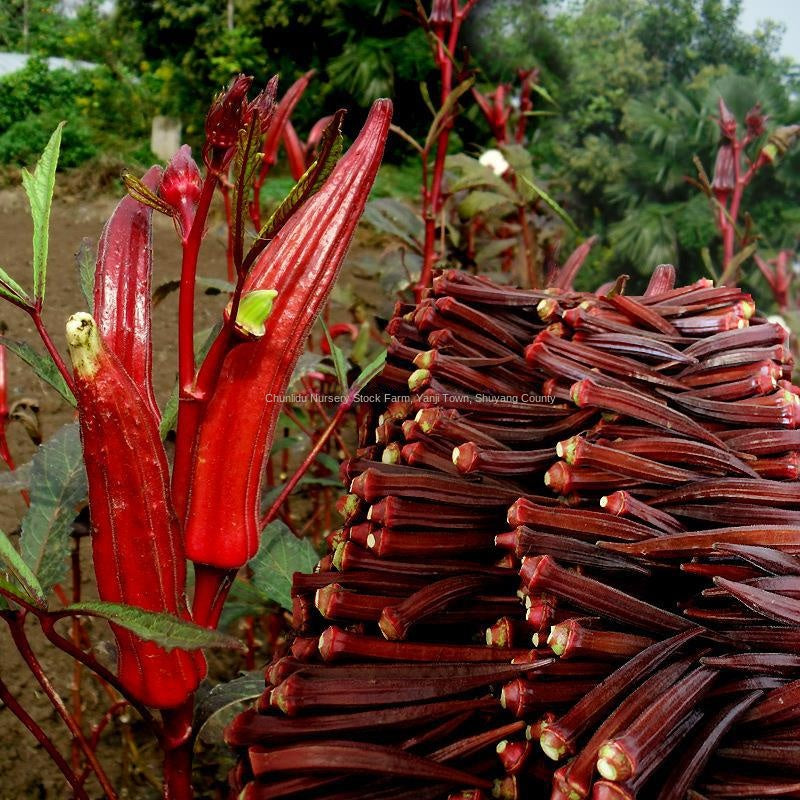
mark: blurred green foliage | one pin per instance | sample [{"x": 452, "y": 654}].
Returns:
[{"x": 635, "y": 83}]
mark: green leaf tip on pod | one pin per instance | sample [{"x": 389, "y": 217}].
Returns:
[
  {"x": 254, "y": 310},
  {"x": 84, "y": 343}
]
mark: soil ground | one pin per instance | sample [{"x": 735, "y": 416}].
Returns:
[{"x": 126, "y": 750}]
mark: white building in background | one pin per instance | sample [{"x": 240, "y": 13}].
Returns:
[{"x": 13, "y": 62}]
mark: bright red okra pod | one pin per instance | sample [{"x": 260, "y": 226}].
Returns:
[{"x": 301, "y": 264}]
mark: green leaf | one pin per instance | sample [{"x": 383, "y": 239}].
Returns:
[
  {"x": 329, "y": 462},
  {"x": 217, "y": 707},
  {"x": 85, "y": 259},
  {"x": 42, "y": 365},
  {"x": 22, "y": 572},
  {"x": 395, "y": 218},
  {"x": 245, "y": 165},
  {"x": 542, "y": 92},
  {"x": 9, "y": 590},
  {"x": 479, "y": 202},
  {"x": 445, "y": 111},
  {"x": 552, "y": 203},
  {"x": 279, "y": 556},
  {"x": 244, "y": 600},
  {"x": 731, "y": 271},
  {"x": 39, "y": 186},
  {"x": 339, "y": 359},
  {"x": 370, "y": 371},
  {"x": 58, "y": 487},
  {"x": 11, "y": 290},
  {"x": 330, "y": 151},
  {"x": 165, "y": 630}
]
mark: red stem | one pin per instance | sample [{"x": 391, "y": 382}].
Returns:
[
  {"x": 35, "y": 313},
  {"x": 16, "y": 624},
  {"x": 178, "y": 745},
  {"x": 226, "y": 197},
  {"x": 432, "y": 197},
  {"x": 188, "y": 407},
  {"x": 22, "y": 715}
]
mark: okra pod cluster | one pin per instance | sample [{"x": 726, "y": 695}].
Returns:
[{"x": 628, "y": 540}]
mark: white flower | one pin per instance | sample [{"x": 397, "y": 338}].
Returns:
[{"x": 495, "y": 160}]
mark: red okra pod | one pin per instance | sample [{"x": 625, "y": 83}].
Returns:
[
  {"x": 642, "y": 348},
  {"x": 662, "y": 279},
  {"x": 579, "y": 452},
  {"x": 528, "y": 541},
  {"x": 786, "y": 467},
  {"x": 651, "y": 761},
  {"x": 522, "y": 697},
  {"x": 759, "y": 491},
  {"x": 122, "y": 280},
  {"x": 673, "y": 450},
  {"x": 342, "y": 757},
  {"x": 781, "y": 706},
  {"x": 471, "y": 457},
  {"x": 764, "y": 441},
  {"x": 396, "y": 620},
  {"x": 136, "y": 543},
  {"x": 731, "y": 365},
  {"x": 605, "y": 362},
  {"x": 762, "y": 381},
  {"x": 768, "y": 604},
  {"x": 470, "y": 316},
  {"x": 401, "y": 512},
  {"x": 581, "y": 769},
  {"x": 620, "y": 758},
  {"x": 458, "y": 373},
  {"x": 769, "y": 663},
  {"x": 445, "y": 340},
  {"x": 686, "y": 545},
  {"x": 560, "y": 366},
  {"x": 514, "y": 754},
  {"x": 366, "y": 580},
  {"x": 446, "y": 424},
  {"x": 423, "y": 455},
  {"x": 349, "y": 556},
  {"x": 472, "y": 744},
  {"x": 637, "y": 406},
  {"x": 572, "y": 639},
  {"x": 563, "y": 479},
  {"x": 301, "y": 263},
  {"x": 336, "y": 643},
  {"x": 388, "y": 542},
  {"x": 336, "y": 603},
  {"x": 558, "y": 739},
  {"x": 765, "y": 558},
  {"x": 733, "y": 513},
  {"x": 300, "y": 693},
  {"x": 784, "y": 412},
  {"x": 787, "y": 585},
  {"x": 640, "y": 314},
  {"x": 375, "y": 483},
  {"x": 776, "y": 754},
  {"x": 542, "y": 574},
  {"x": 754, "y": 336},
  {"x": 576, "y": 523},
  {"x": 625, "y": 504},
  {"x": 455, "y": 284}
]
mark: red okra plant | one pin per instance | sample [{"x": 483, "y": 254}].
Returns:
[{"x": 146, "y": 521}]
